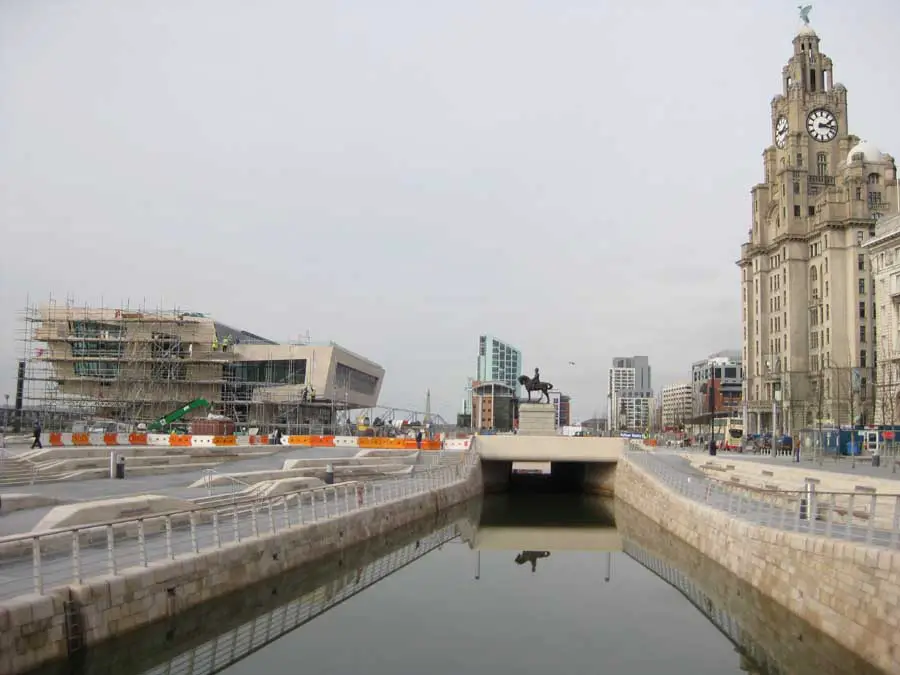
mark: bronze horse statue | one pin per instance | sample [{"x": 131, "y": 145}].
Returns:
[{"x": 530, "y": 386}]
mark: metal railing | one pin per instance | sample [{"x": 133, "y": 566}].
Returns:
[
  {"x": 40, "y": 562},
  {"x": 865, "y": 516},
  {"x": 234, "y": 645}
]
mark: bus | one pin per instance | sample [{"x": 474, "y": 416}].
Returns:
[{"x": 734, "y": 433}]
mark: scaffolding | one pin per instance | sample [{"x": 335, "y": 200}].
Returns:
[{"x": 132, "y": 365}]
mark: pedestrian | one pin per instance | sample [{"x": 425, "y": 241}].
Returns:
[
  {"x": 419, "y": 439},
  {"x": 37, "y": 436}
]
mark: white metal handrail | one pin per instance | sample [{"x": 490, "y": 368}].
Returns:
[
  {"x": 37, "y": 562},
  {"x": 866, "y": 515}
]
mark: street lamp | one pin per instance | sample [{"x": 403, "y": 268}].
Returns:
[{"x": 5, "y": 421}]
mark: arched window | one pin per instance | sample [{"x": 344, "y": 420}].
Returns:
[
  {"x": 873, "y": 179},
  {"x": 822, "y": 164}
]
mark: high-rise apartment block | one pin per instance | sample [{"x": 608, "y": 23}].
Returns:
[
  {"x": 629, "y": 393},
  {"x": 806, "y": 288},
  {"x": 676, "y": 405}
]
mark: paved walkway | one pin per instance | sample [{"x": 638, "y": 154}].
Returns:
[
  {"x": 17, "y": 574},
  {"x": 171, "y": 485},
  {"x": 844, "y": 465},
  {"x": 672, "y": 470}
]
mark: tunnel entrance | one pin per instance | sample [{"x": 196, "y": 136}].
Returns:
[{"x": 562, "y": 477}]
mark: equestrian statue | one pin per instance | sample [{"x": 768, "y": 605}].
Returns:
[{"x": 535, "y": 384}]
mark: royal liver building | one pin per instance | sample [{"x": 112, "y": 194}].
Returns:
[{"x": 806, "y": 291}]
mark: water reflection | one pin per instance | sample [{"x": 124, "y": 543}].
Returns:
[
  {"x": 531, "y": 557},
  {"x": 431, "y": 611}
]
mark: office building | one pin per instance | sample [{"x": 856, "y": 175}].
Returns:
[
  {"x": 676, "y": 405},
  {"x": 884, "y": 260},
  {"x": 807, "y": 301},
  {"x": 498, "y": 361},
  {"x": 721, "y": 374}
]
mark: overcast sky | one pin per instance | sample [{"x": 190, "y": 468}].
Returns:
[{"x": 400, "y": 176}]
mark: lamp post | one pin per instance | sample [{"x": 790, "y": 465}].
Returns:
[{"x": 5, "y": 421}]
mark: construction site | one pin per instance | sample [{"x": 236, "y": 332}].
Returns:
[{"x": 120, "y": 369}]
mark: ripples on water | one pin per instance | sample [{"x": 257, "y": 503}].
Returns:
[{"x": 552, "y": 587}]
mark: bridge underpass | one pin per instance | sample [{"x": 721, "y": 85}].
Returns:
[{"x": 576, "y": 464}]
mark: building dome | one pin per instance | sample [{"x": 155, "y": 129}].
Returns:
[
  {"x": 839, "y": 87},
  {"x": 806, "y": 31},
  {"x": 868, "y": 150}
]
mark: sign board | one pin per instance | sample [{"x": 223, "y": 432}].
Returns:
[{"x": 888, "y": 435}]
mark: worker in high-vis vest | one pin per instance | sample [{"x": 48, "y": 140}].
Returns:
[{"x": 215, "y": 343}]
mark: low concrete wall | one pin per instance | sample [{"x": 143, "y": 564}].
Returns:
[
  {"x": 850, "y": 592},
  {"x": 32, "y": 628},
  {"x": 100, "y": 510}
]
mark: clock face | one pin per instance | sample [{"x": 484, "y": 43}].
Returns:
[
  {"x": 781, "y": 131},
  {"x": 821, "y": 125}
]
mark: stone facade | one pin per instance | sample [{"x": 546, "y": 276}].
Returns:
[
  {"x": 32, "y": 628},
  {"x": 849, "y": 591},
  {"x": 807, "y": 302},
  {"x": 537, "y": 419},
  {"x": 884, "y": 260}
]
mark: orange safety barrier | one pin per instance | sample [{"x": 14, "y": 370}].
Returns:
[
  {"x": 321, "y": 441},
  {"x": 137, "y": 439},
  {"x": 56, "y": 439},
  {"x": 224, "y": 440},
  {"x": 299, "y": 440},
  {"x": 110, "y": 439},
  {"x": 431, "y": 445},
  {"x": 366, "y": 442},
  {"x": 81, "y": 439},
  {"x": 252, "y": 440},
  {"x": 261, "y": 440},
  {"x": 180, "y": 441}
]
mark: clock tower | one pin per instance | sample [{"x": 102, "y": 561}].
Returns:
[
  {"x": 806, "y": 287},
  {"x": 809, "y": 129}
]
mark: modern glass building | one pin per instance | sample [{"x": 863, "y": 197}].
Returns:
[{"x": 498, "y": 361}]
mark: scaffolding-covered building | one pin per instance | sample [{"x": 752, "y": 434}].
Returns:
[{"x": 136, "y": 366}]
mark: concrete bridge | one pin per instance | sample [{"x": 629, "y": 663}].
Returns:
[{"x": 585, "y": 464}]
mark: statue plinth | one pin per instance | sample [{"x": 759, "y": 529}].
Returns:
[{"x": 537, "y": 419}]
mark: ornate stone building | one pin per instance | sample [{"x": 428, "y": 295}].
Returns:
[{"x": 806, "y": 288}]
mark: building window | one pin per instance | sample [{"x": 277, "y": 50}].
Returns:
[
  {"x": 861, "y": 263},
  {"x": 862, "y": 309},
  {"x": 796, "y": 210},
  {"x": 859, "y": 193},
  {"x": 821, "y": 163},
  {"x": 862, "y": 286},
  {"x": 862, "y": 333},
  {"x": 799, "y": 159},
  {"x": 862, "y": 358},
  {"x": 796, "y": 188},
  {"x": 873, "y": 179},
  {"x": 811, "y": 210}
]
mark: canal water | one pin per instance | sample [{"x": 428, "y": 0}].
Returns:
[{"x": 514, "y": 584}]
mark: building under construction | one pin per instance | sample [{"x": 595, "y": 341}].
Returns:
[{"x": 136, "y": 366}]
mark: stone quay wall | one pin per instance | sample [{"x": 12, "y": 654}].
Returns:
[
  {"x": 849, "y": 591},
  {"x": 33, "y": 628}
]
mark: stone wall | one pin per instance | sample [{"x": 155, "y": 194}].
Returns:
[
  {"x": 850, "y": 592},
  {"x": 32, "y": 628},
  {"x": 767, "y": 632}
]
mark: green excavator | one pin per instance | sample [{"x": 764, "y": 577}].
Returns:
[{"x": 163, "y": 423}]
